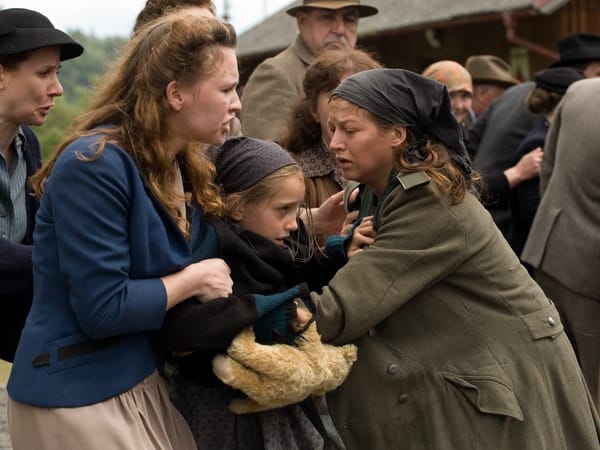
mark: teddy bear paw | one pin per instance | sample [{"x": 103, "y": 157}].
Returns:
[{"x": 222, "y": 368}]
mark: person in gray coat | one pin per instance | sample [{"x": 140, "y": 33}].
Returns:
[
  {"x": 272, "y": 88},
  {"x": 458, "y": 347},
  {"x": 564, "y": 242}
]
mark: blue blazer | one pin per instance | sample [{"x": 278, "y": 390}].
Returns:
[{"x": 102, "y": 242}]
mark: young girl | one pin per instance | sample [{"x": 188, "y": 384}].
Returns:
[{"x": 269, "y": 251}]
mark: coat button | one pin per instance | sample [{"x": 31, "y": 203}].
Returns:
[
  {"x": 402, "y": 398},
  {"x": 371, "y": 332},
  {"x": 551, "y": 321},
  {"x": 392, "y": 369}
]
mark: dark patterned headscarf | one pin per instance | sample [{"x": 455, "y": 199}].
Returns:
[{"x": 406, "y": 98}]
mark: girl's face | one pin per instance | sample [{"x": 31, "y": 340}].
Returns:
[
  {"x": 27, "y": 93},
  {"x": 363, "y": 150},
  {"x": 461, "y": 103},
  {"x": 206, "y": 108},
  {"x": 321, "y": 113},
  {"x": 275, "y": 217}
]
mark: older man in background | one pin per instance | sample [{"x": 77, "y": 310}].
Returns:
[
  {"x": 491, "y": 77},
  {"x": 276, "y": 82}
]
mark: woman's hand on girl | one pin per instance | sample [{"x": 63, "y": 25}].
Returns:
[
  {"x": 363, "y": 236},
  {"x": 205, "y": 280}
]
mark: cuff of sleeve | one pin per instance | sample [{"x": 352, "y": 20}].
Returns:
[
  {"x": 267, "y": 303},
  {"x": 336, "y": 250}
]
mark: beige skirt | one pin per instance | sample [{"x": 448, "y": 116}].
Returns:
[{"x": 142, "y": 418}]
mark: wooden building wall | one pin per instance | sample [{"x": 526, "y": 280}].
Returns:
[{"x": 411, "y": 49}]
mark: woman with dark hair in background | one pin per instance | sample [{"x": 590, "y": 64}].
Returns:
[
  {"x": 550, "y": 86},
  {"x": 307, "y": 137}
]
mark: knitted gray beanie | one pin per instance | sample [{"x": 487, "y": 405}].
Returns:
[{"x": 241, "y": 162}]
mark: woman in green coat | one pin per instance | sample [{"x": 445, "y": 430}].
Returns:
[{"x": 458, "y": 347}]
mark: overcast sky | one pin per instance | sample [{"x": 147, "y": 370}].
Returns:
[{"x": 115, "y": 17}]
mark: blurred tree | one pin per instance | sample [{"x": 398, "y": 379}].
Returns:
[{"x": 78, "y": 77}]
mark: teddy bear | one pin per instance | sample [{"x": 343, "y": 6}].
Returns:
[{"x": 276, "y": 375}]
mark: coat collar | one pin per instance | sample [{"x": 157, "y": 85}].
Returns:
[{"x": 302, "y": 51}]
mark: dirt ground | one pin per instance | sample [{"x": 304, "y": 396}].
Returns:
[{"x": 4, "y": 437}]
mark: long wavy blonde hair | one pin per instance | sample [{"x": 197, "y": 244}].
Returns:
[{"x": 130, "y": 108}]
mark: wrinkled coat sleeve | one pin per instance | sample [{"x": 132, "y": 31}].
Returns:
[
  {"x": 192, "y": 325},
  {"x": 419, "y": 241},
  {"x": 16, "y": 269}
]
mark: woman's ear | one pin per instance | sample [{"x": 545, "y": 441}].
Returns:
[
  {"x": 174, "y": 95},
  {"x": 235, "y": 207},
  {"x": 398, "y": 135}
]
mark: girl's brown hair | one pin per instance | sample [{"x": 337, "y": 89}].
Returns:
[
  {"x": 263, "y": 189},
  {"x": 541, "y": 101},
  {"x": 153, "y": 9},
  {"x": 130, "y": 108},
  {"x": 323, "y": 75}
]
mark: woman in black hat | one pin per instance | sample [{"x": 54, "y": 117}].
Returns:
[
  {"x": 31, "y": 51},
  {"x": 457, "y": 346}
]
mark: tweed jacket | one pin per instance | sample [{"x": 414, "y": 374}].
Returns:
[
  {"x": 102, "y": 244},
  {"x": 458, "y": 348},
  {"x": 564, "y": 241},
  {"x": 16, "y": 271},
  {"x": 271, "y": 91}
]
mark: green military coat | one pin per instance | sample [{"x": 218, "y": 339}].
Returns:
[{"x": 458, "y": 348}]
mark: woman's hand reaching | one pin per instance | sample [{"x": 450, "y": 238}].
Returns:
[{"x": 363, "y": 236}]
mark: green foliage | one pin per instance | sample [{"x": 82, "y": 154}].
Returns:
[{"x": 78, "y": 77}]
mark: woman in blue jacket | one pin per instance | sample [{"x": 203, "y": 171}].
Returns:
[{"x": 121, "y": 214}]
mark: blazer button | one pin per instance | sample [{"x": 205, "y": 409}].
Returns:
[
  {"x": 402, "y": 398},
  {"x": 392, "y": 369},
  {"x": 371, "y": 332},
  {"x": 551, "y": 321}
]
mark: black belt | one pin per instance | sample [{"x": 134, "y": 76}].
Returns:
[{"x": 70, "y": 351}]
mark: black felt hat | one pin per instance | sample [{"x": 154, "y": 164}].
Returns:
[
  {"x": 577, "y": 48},
  {"x": 22, "y": 30},
  {"x": 556, "y": 79}
]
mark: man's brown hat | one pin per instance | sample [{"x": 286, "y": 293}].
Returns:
[
  {"x": 363, "y": 10},
  {"x": 490, "y": 69}
]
